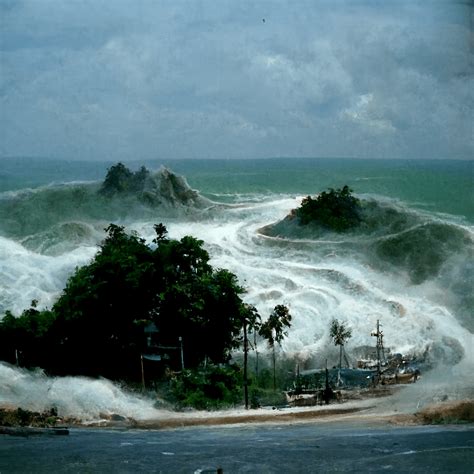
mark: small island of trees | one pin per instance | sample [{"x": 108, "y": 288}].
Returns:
[
  {"x": 335, "y": 209},
  {"x": 121, "y": 180}
]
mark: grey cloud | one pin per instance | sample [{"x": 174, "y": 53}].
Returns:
[{"x": 100, "y": 79}]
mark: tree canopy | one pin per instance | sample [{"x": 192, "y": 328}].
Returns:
[
  {"x": 96, "y": 327},
  {"x": 340, "y": 334},
  {"x": 336, "y": 209},
  {"x": 120, "y": 180},
  {"x": 274, "y": 330}
]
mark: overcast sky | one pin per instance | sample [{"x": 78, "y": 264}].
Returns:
[{"x": 144, "y": 79}]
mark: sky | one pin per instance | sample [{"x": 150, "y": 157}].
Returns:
[{"x": 153, "y": 79}]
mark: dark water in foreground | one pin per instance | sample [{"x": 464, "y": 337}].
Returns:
[{"x": 257, "y": 449}]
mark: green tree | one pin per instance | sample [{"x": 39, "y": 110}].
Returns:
[
  {"x": 336, "y": 209},
  {"x": 102, "y": 310},
  {"x": 274, "y": 330},
  {"x": 197, "y": 303},
  {"x": 340, "y": 334},
  {"x": 250, "y": 320},
  {"x": 120, "y": 180},
  {"x": 96, "y": 325},
  {"x": 139, "y": 179},
  {"x": 25, "y": 339},
  {"x": 117, "y": 180}
]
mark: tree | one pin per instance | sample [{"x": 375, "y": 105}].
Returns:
[
  {"x": 101, "y": 313},
  {"x": 335, "y": 209},
  {"x": 250, "y": 322},
  {"x": 120, "y": 180},
  {"x": 273, "y": 330},
  {"x": 339, "y": 333},
  {"x": 25, "y": 339},
  {"x": 117, "y": 180},
  {"x": 96, "y": 327}
]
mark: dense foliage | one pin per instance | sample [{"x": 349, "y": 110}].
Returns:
[
  {"x": 336, "y": 209},
  {"x": 120, "y": 180},
  {"x": 212, "y": 388},
  {"x": 273, "y": 329},
  {"x": 97, "y": 325}
]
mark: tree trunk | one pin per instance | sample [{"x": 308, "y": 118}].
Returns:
[
  {"x": 274, "y": 370},
  {"x": 256, "y": 355},
  {"x": 340, "y": 357},
  {"x": 246, "y": 349}
]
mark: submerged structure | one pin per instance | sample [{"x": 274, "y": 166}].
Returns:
[{"x": 318, "y": 386}]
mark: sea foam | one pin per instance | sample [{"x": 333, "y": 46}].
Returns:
[{"x": 319, "y": 278}]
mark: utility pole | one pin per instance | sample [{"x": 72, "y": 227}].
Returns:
[
  {"x": 379, "y": 347},
  {"x": 327, "y": 389},
  {"x": 180, "y": 339},
  {"x": 143, "y": 372}
]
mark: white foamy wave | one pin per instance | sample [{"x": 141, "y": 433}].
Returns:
[
  {"x": 26, "y": 275},
  {"x": 442, "y": 384},
  {"x": 320, "y": 281},
  {"x": 79, "y": 397}
]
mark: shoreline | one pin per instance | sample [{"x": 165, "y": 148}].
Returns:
[
  {"x": 360, "y": 413},
  {"x": 453, "y": 412},
  {"x": 372, "y": 407}
]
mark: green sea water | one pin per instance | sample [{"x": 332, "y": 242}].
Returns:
[
  {"x": 444, "y": 186},
  {"x": 439, "y": 186},
  {"x": 413, "y": 270}
]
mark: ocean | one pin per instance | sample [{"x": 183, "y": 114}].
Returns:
[{"x": 412, "y": 269}]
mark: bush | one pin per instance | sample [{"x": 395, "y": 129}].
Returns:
[
  {"x": 455, "y": 412},
  {"x": 260, "y": 397},
  {"x": 207, "y": 388}
]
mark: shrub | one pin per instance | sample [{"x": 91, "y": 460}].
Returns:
[{"x": 207, "y": 388}]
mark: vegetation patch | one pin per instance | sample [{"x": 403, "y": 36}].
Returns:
[
  {"x": 207, "y": 388},
  {"x": 21, "y": 417},
  {"x": 447, "y": 413},
  {"x": 120, "y": 180},
  {"x": 335, "y": 209}
]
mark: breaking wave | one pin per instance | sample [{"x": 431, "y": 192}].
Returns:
[
  {"x": 412, "y": 271},
  {"x": 392, "y": 239},
  {"x": 46, "y": 232},
  {"x": 73, "y": 397},
  {"x": 28, "y": 212}
]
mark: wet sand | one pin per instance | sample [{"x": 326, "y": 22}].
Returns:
[{"x": 363, "y": 412}]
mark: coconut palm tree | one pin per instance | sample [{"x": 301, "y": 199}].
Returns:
[
  {"x": 250, "y": 322},
  {"x": 273, "y": 330},
  {"x": 340, "y": 333}
]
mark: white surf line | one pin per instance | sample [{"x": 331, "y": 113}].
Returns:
[{"x": 434, "y": 450}]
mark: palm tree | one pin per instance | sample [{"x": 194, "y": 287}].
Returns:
[
  {"x": 340, "y": 333},
  {"x": 250, "y": 322},
  {"x": 273, "y": 330}
]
